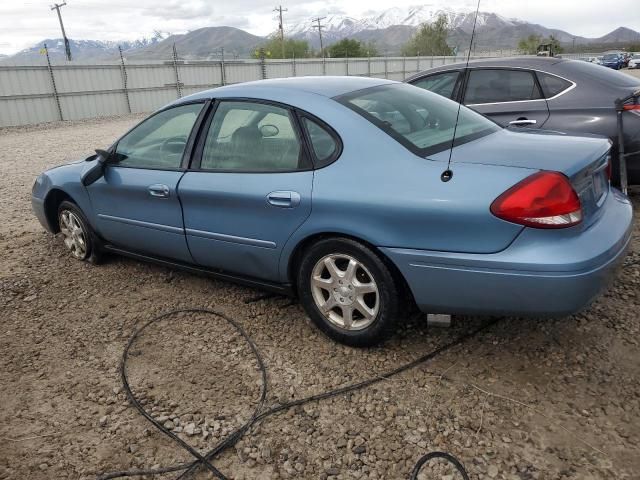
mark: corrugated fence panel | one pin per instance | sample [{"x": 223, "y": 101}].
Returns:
[
  {"x": 205, "y": 75},
  {"x": 279, "y": 69},
  {"x": 151, "y": 100},
  {"x": 87, "y": 78},
  {"x": 306, "y": 68},
  {"x": 24, "y": 81},
  {"x": 76, "y": 107},
  {"x": 243, "y": 72},
  {"x": 146, "y": 76},
  {"x": 27, "y": 111},
  {"x": 90, "y": 90}
]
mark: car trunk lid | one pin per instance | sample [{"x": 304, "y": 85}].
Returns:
[{"x": 582, "y": 158}]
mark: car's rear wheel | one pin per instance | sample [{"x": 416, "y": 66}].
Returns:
[
  {"x": 76, "y": 233},
  {"x": 348, "y": 292}
]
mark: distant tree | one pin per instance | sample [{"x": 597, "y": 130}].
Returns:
[
  {"x": 352, "y": 48},
  {"x": 529, "y": 45},
  {"x": 273, "y": 48},
  {"x": 430, "y": 39}
]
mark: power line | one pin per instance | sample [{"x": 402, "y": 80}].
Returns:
[
  {"x": 319, "y": 26},
  {"x": 67, "y": 48},
  {"x": 279, "y": 9}
]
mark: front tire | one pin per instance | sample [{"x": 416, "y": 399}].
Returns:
[
  {"x": 348, "y": 292},
  {"x": 77, "y": 234}
]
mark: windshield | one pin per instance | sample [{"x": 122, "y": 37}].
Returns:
[
  {"x": 422, "y": 121},
  {"x": 611, "y": 56}
]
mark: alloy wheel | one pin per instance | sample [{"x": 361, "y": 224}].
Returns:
[
  {"x": 75, "y": 238},
  {"x": 345, "y": 291}
]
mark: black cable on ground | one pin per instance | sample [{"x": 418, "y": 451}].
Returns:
[{"x": 259, "y": 412}]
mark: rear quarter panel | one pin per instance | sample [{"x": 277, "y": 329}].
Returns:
[{"x": 380, "y": 192}]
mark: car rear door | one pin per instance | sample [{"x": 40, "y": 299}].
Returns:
[
  {"x": 511, "y": 97},
  {"x": 136, "y": 202},
  {"x": 248, "y": 190}
]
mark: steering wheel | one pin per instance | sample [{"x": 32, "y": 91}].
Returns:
[{"x": 173, "y": 146}]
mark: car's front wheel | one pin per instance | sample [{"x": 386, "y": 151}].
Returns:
[
  {"x": 76, "y": 232},
  {"x": 348, "y": 292}
]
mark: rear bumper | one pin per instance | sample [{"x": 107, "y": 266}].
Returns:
[{"x": 542, "y": 273}]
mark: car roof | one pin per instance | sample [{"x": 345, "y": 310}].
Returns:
[
  {"x": 523, "y": 62},
  {"x": 326, "y": 86}
]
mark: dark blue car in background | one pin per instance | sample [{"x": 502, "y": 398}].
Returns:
[{"x": 613, "y": 60}]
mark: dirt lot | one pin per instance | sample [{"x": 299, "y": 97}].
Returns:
[{"x": 526, "y": 399}]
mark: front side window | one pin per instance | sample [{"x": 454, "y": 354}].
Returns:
[
  {"x": 159, "y": 142},
  {"x": 420, "y": 120},
  {"x": 252, "y": 137},
  {"x": 500, "y": 85},
  {"x": 441, "y": 83}
]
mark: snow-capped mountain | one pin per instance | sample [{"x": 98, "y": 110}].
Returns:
[{"x": 343, "y": 26}]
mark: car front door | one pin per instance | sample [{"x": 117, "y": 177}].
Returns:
[
  {"x": 136, "y": 202},
  {"x": 248, "y": 190},
  {"x": 511, "y": 97}
]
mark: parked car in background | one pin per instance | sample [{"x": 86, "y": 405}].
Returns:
[
  {"x": 331, "y": 188},
  {"x": 543, "y": 93},
  {"x": 613, "y": 60},
  {"x": 634, "y": 61}
]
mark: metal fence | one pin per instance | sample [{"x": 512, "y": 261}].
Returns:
[{"x": 32, "y": 94}]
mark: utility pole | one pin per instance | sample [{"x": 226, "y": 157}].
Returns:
[
  {"x": 67, "y": 48},
  {"x": 319, "y": 26},
  {"x": 279, "y": 9}
]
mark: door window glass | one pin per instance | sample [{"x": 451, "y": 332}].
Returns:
[
  {"x": 493, "y": 86},
  {"x": 160, "y": 141},
  {"x": 552, "y": 85},
  {"x": 246, "y": 136},
  {"x": 441, "y": 83},
  {"x": 323, "y": 143}
]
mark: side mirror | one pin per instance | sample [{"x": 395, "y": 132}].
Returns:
[{"x": 97, "y": 170}]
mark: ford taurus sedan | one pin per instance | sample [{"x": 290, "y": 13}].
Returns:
[
  {"x": 354, "y": 195},
  {"x": 544, "y": 93}
]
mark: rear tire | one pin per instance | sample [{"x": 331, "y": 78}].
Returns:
[
  {"x": 348, "y": 292},
  {"x": 79, "y": 237}
]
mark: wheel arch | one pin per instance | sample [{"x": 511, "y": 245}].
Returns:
[
  {"x": 52, "y": 201},
  {"x": 306, "y": 242}
]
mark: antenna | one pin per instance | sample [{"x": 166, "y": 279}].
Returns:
[
  {"x": 67, "y": 48},
  {"x": 279, "y": 9},
  {"x": 448, "y": 174}
]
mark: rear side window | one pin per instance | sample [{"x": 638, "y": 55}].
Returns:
[
  {"x": 324, "y": 145},
  {"x": 500, "y": 85},
  {"x": 441, "y": 83},
  {"x": 552, "y": 85}
]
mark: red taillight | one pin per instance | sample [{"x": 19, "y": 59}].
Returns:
[
  {"x": 543, "y": 200},
  {"x": 631, "y": 107}
]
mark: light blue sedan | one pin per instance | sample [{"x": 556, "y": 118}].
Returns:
[{"x": 352, "y": 194}]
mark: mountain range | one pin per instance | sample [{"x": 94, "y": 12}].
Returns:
[{"x": 388, "y": 29}]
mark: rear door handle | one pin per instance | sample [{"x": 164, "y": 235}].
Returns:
[
  {"x": 158, "y": 190},
  {"x": 284, "y": 199},
  {"x": 521, "y": 122}
]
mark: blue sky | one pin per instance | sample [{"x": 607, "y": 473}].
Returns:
[{"x": 22, "y": 23}]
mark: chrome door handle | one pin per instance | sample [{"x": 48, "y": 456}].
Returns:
[
  {"x": 522, "y": 122},
  {"x": 159, "y": 190},
  {"x": 284, "y": 199}
]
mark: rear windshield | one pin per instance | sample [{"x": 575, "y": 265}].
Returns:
[
  {"x": 600, "y": 74},
  {"x": 422, "y": 121}
]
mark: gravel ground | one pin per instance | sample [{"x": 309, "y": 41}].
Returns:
[{"x": 525, "y": 399}]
